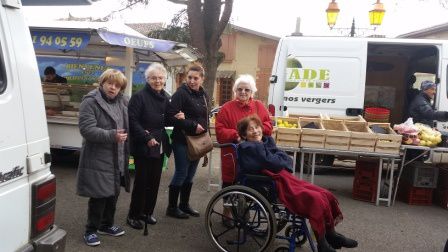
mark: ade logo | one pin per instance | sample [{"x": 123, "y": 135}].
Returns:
[{"x": 297, "y": 76}]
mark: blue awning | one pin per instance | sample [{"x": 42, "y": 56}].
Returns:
[{"x": 155, "y": 45}]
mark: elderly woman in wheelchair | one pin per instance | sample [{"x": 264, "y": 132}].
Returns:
[{"x": 256, "y": 214}]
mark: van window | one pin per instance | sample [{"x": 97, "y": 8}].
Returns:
[{"x": 2, "y": 74}]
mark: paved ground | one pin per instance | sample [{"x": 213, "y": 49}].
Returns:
[{"x": 398, "y": 228}]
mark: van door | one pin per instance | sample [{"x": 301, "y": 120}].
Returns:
[
  {"x": 322, "y": 75},
  {"x": 442, "y": 92},
  {"x": 14, "y": 189}
]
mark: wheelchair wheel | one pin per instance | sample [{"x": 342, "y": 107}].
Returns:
[
  {"x": 250, "y": 226},
  {"x": 300, "y": 238},
  {"x": 282, "y": 248}
]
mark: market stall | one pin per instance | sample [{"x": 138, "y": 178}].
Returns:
[
  {"x": 354, "y": 137},
  {"x": 80, "y": 52}
]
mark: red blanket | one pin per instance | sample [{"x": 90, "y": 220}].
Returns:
[{"x": 319, "y": 205}]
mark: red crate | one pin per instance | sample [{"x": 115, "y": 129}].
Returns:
[
  {"x": 364, "y": 191},
  {"x": 415, "y": 195},
  {"x": 365, "y": 181},
  {"x": 364, "y": 195},
  {"x": 441, "y": 198},
  {"x": 443, "y": 178},
  {"x": 366, "y": 170}
]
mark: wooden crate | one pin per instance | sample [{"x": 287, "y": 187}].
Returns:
[
  {"x": 337, "y": 137},
  {"x": 289, "y": 137},
  {"x": 387, "y": 143},
  {"x": 344, "y": 118},
  {"x": 274, "y": 133},
  {"x": 319, "y": 116},
  {"x": 362, "y": 138},
  {"x": 312, "y": 138}
]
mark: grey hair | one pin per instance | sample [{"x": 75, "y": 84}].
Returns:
[
  {"x": 248, "y": 79},
  {"x": 155, "y": 67}
]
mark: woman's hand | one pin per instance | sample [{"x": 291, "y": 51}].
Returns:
[
  {"x": 180, "y": 115},
  {"x": 199, "y": 129},
  {"x": 121, "y": 136},
  {"x": 152, "y": 142}
]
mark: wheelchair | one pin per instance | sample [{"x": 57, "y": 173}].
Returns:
[{"x": 254, "y": 217}]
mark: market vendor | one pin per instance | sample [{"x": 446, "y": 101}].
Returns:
[
  {"x": 421, "y": 109},
  {"x": 51, "y": 76}
]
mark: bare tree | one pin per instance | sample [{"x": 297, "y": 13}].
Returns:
[{"x": 207, "y": 21}]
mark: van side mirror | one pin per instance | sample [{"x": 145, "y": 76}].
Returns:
[{"x": 273, "y": 79}]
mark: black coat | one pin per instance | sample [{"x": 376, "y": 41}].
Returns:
[
  {"x": 147, "y": 113},
  {"x": 256, "y": 156},
  {"x": 421, "y": 111},
  {"x": 193, "y": 105}
]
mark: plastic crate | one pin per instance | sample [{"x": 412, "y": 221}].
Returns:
[
  {"x": 421, "y": 175},
  {"x": 441, "y": 198},
  {"x": 364, "y": 192},
  {"x": 443, "y": 178},
  {"x": 377, "y": 114},
  {"x": 415, "y": 195},
  {"x": 365, "y": 181}
]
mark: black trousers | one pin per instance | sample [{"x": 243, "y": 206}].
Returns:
[
  {"x": 146, "y": 185},
  {"x": 100, "y": 213}
]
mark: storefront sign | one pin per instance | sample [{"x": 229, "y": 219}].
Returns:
[
  {"x": 85, "y": 71},
  {"x": 60, "y": 40}
]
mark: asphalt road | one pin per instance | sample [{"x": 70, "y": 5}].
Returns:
[{"x": 398, "y": 228}]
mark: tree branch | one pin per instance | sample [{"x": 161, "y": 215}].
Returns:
[
  {"x": 179, "y": 1},
  {"x": 197, "y": 32},
  {"x": 228, "y": 5}
]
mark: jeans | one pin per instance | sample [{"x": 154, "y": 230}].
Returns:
[
  {"x": 184, "y": 168},
  {"x": 100, "y": 213}
]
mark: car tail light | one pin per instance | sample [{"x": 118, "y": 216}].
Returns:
[
  {"x": 271, "y": 109},
  {"x": 43, "y": 205}
]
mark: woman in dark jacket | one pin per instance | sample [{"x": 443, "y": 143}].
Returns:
[
  {"x": 104, "y": 159},
  {"x": 149, "y": 142},
  {"x": 192, "y": 100},
  {"x": 259, "y": 154}
]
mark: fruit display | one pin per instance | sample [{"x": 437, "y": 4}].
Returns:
[
  {"x": 428, "y": 136},
  {"x": 282, "y": 123},
  {"x": 418, "y": 134}
]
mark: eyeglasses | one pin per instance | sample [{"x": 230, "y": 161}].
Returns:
[{"x": 247, "y": 90}]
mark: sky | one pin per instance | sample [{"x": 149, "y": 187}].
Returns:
[{"x": 275, "y": 17}]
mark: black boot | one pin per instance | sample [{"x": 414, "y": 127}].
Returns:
[
  {"x": 337, "y": 240},
  {"x": 172, "y": 209},
  {"x": 323, "y": 246},
  {"x": 185, "y": 199}
]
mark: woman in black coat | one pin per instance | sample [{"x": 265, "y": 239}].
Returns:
[
  {"x": 149, "y": 142},
  {"x": 192, "y": 100}
]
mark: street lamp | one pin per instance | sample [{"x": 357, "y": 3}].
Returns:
[
  {"x": 375, "y": 16},
  {"x": 332, "y": 13}
]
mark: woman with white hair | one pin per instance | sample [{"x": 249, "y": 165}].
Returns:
[
  {"x": 230, "y": 113},
  {"x": 149, "y": 142}
]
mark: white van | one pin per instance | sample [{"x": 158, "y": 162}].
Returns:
[
  {"x": 342, "y": 76},
  {"x": 27, "y": 186}
]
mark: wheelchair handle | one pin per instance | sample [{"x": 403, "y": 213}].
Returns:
[{"x": 234, "y": 146}]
